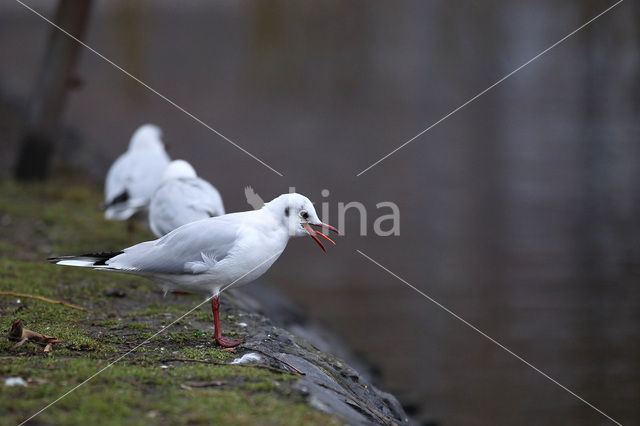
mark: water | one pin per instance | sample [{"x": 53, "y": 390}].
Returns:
[{"x": 520, "y": 213}]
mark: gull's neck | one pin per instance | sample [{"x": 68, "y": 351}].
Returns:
[{"x": 273, "y": 211}]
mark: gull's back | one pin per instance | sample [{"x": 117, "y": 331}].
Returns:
[{"x": 183, "y": 200}]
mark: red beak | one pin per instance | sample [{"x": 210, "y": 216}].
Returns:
[
  {"x": 313, "y": 233},
  {"x": 329, "y": 227}
]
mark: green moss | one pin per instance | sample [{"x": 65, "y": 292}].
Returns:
[
  {"x": 55, "y": 207},
  {"x": 208, "y": 353},
  {"x": 60, "y": 217},
  {"x": 139, "y": 326},
  {"x": 162, "y": 308},
  {"x": 109, "y": 323},
  {"x": 202, "y": 315},
  {"x": 130, "y": 394}
]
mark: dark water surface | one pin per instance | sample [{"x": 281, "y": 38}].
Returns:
[{"x": 521, "y": 213}]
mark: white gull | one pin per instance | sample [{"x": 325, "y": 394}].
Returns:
[
  {"x": 136, "y": 174},
  {"x": 208, "y": 255}
]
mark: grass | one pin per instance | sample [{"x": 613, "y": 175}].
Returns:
[
  {"x": 58, "y": 217},
  {"x": 133, "y": 394}
]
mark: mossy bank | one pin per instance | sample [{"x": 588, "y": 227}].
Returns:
[{"x": 177, "y": 376}]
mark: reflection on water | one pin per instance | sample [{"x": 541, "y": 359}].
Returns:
[{"x": 521, "y": 213}]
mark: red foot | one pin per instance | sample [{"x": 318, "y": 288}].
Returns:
[{"x": 225, "y": 343}]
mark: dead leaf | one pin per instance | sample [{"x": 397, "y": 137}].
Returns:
[
  {"x": 22, "y": 335},
  {"x": 37, "y": 381}
]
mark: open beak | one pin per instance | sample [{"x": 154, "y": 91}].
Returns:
[
  {"x": 325, "y": 226},
  {"x": 313, "y": 233}
]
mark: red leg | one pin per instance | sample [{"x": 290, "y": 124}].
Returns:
[{"x": 226, "y": 343}]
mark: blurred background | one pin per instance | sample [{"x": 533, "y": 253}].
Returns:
[{"x": 521, "y": 213}]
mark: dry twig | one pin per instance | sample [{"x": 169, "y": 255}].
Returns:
[
  {"x": 44, "y": 299},
  {"x": 301, "y": 373}
]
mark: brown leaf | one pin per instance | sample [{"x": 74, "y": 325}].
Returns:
[{"x": 21, "y": 334}]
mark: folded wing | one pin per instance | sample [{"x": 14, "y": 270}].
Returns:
[{"x": 193, "y": 248}]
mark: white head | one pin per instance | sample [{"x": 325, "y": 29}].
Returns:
[
  {"x": 297, "y": 213},
  {"x": 147, "y": 137},
  {"x": 178, "y": 169}
]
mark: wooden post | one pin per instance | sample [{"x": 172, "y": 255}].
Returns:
[{"x": 54, "y": 81}]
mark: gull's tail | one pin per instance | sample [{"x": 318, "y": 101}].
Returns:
[{"x": 90, "y": 260}]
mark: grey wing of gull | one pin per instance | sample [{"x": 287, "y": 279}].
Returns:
[
  {"x": 180, "y": 201},
  {"x": 191, "y": 249},
  {"x": 205, "y": 196},
  {"x": 165, "y": 210}
]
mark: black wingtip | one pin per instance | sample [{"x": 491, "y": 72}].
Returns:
[
  {"x": 121, "y": 198},
  {"x": 103, "y": 257},
  {"x": 100, "y": 258}
]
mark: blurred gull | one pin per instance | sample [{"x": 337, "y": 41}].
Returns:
[
  {"x": 182, "y": 198},
  {"x": 211, "y": 254},
  {"x": 136, "y": 174}
]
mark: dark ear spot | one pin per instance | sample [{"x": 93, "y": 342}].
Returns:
[{"x": 286, "y": 211}]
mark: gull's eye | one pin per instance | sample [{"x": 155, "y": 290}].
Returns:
[{"x": 304, "y": 215}]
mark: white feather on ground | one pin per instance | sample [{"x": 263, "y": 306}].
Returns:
[
  {"x": 249, "y": 358},
  {"x": 135, "y": 175}
]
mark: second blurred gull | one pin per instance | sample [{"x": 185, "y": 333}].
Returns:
[{"x": 182, "y": 198}]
